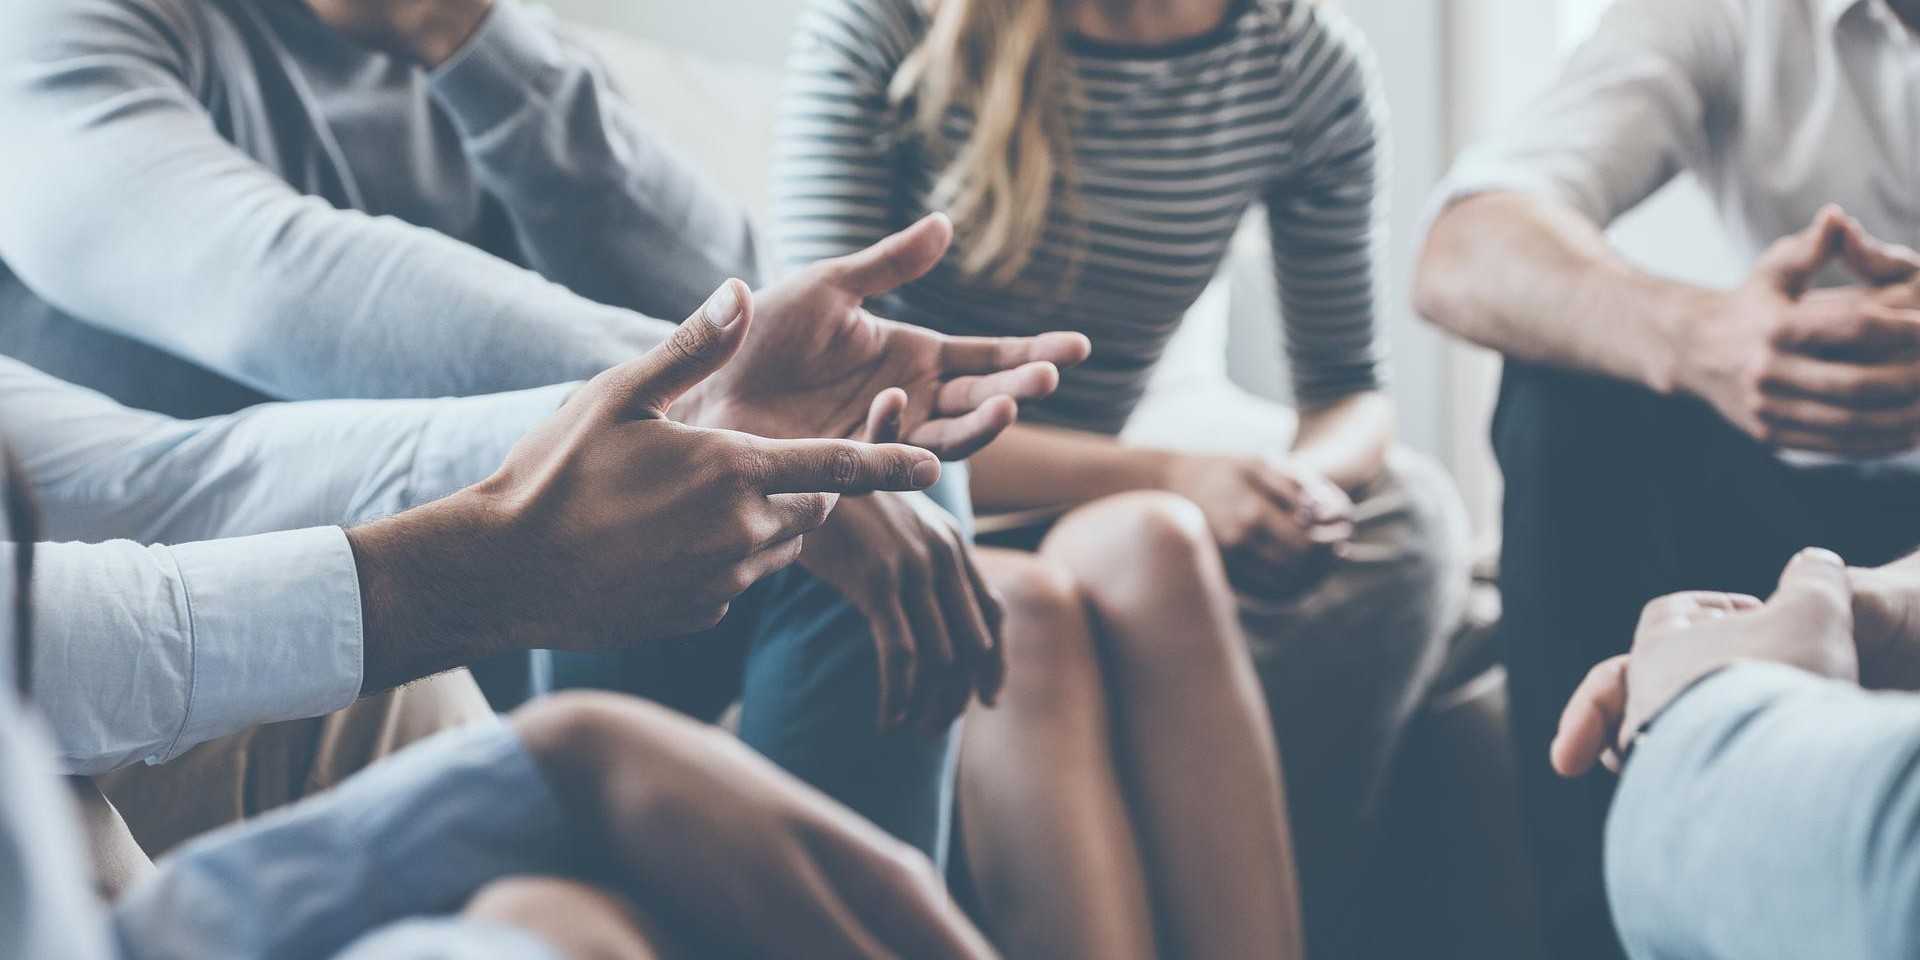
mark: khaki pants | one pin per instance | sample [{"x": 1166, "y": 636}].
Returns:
[
  {"x": 138, "y": 813},
  {"x": 1346, "y": 667}
]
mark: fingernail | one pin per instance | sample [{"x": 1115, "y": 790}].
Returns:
[
  {"x": 723, "y": 308},
  {"x": 1822, "y": 555},
  {"x": 925, "y": 474}
]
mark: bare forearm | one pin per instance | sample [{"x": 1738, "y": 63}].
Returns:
[
  {"x": 1347, "y": 441},
  {"x": 1031, "y": 467},
  {"x": 1540, "y": 283}
]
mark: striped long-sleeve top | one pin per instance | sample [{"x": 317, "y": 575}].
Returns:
[{"x": 1170, "y": 147}]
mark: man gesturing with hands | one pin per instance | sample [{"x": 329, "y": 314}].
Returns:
[
  {"x": 1656, "y": 435},
  {"x": 420, "y": 198},
  {"x": 609, "y": 524}
]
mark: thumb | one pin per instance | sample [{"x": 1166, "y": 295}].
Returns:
[
  {"x": 650, "y": 383},
  {"x": 1815, "y": 581},
  {"x": 1791, "y": 262},
  {"x": 895, "y": 261}
]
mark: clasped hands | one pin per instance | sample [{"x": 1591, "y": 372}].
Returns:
[
  {"x": 1857, "y": 625},
  {"x": 668, "y": 485},
  {"x": 1833, "y": 371}
]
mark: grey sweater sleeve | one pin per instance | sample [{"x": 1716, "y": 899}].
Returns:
[
  {"x": 1327, "y": 218},
  {"x": 132, "y": 211},
  {"x": 598, "y": 202},
  {"x": 1770, "y": 813}
]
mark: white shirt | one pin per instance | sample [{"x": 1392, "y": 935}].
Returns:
[
  {"x": 1778, "y": 107},
  {"x": 253, "y": 614}
]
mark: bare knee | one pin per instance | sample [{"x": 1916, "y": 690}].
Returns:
[
  {"x": 1148, "y": 560},
  {"x": 1134, "y": 540},
  {"x": 1052, "y": 657},
  {"x": 578, "y": 921}
]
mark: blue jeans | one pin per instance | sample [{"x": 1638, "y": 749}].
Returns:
[{"x": 801, "y": 661}]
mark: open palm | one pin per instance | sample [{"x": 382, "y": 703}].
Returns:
[{"x": 818, "y": 364}]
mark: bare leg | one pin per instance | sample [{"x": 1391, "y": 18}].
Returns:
[
  {"x": 1048, "y": 838},
  {"x": 1196, "y": 745},
  {"x": 578, "y": 921}
]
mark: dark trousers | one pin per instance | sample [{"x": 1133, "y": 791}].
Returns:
[{"x": 1615, "y": 496}]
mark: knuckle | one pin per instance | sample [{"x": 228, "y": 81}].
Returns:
[
  {"x": 710, "y": 616},
  {"x": 738, "y": 580},
  {"x": 692, "y": 340},
  {"x": 917, "y": 564},
  {"x": 843, "y": 465},
  {"x": 900, "y": 472},
  {"x": 741, "y": 535},
  {"x": 748, "y": 466}
]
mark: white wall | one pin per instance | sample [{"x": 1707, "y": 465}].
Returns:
[{"x": 754, "y": 31}]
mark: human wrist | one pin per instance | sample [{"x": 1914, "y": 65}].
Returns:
[
  {"x": 1170, "y": 471},
  {"x": 435, "y": 30},
  {"x": 426, "y": 597},
  {"x": 1682, "y": 316}
]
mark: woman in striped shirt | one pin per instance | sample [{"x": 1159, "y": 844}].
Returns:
[{"x": 1097, "y": 157}]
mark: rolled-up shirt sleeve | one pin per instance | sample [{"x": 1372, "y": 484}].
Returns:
[
  {"x": 1632, "y": 108},
  {"x": 145, "y": 651}
]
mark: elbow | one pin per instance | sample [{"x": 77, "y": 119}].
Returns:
[{"x": 1441, "y": 285}]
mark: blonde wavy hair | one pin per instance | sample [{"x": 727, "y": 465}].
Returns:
[{"x": 1003, "y": 61}]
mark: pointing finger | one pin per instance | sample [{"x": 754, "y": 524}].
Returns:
[{"x": 845, "y": 466}]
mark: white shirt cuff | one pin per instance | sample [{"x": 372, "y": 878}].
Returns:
[{"x": 276, "y": 631}]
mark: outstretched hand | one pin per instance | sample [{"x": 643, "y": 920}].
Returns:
[
  {"x": 819, "y": 362},
  {"x": 610, "y": 522}
]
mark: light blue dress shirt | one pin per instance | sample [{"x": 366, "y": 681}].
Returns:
[
  {"x": 1771, "y": 814},
  {"x": 252, "y": 614},
  {"x": 371, "y": 870}
]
